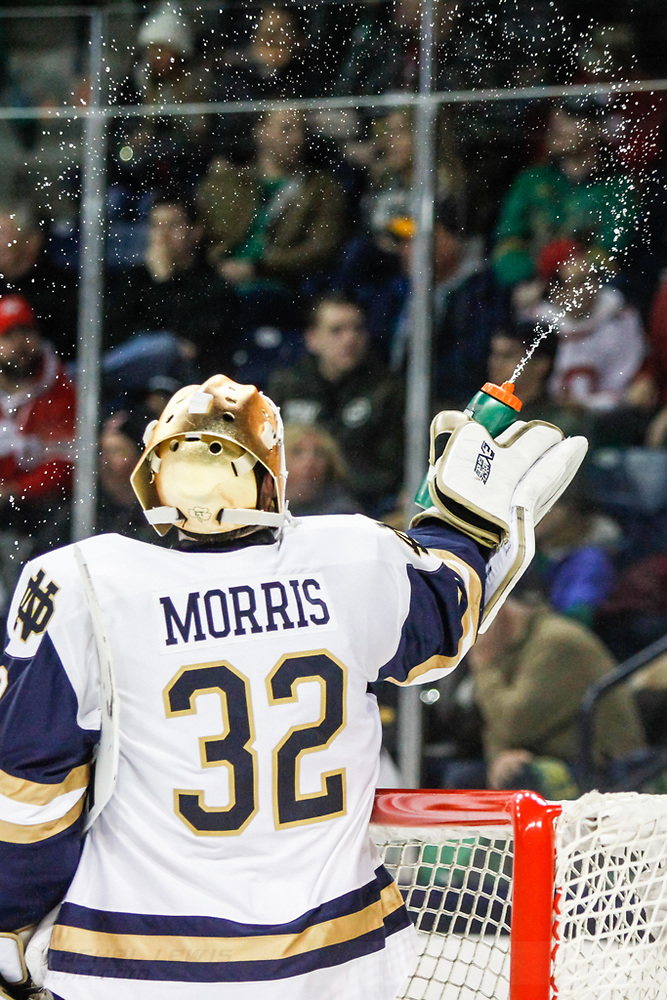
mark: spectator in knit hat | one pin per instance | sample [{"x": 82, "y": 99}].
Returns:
[{"x": 151, "y": 153}]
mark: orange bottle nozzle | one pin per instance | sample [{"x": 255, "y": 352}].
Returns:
[{"x": 504, "y": 393}]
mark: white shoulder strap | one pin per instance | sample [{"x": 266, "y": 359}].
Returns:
[{"x": 106, "y": 761}]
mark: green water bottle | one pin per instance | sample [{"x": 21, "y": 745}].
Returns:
[{"x": 495, "y": 407}]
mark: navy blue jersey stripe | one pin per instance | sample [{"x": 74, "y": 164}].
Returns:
[
  {"x": 211, "y": 972},
  {"x": 115, "y": 922},
  {"x": 216, "y": 972},
  {"x": 398, "y": 920},
  {"x": 204, "y": 949}
]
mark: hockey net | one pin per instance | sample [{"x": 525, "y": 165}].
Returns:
[{"x": 516, "y": 898}]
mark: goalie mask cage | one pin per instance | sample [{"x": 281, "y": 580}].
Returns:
[{"x": 516, "y": 898}]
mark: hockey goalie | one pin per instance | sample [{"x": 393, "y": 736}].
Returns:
[{"x": 189, "y": 745}]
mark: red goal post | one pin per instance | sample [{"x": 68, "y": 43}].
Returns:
[{"x": 517, "y": 898}]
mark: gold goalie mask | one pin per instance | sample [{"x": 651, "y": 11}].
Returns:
[{"x": 206, "y": 458}]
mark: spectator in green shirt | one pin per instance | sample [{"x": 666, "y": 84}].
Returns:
[{"x": 577, "y": 192}]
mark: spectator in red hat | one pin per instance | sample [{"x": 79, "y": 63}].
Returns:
[
  {"x": 557, "y": 253},
  {"x": 37, "y": 412}
]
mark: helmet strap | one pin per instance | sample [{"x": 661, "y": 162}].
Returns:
[
  {"x": 239, "y": 515},
  {"x": 233, "y": 515}
]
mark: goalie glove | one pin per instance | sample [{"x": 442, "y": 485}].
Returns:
[
  {"x": 15, "y": 981},
  {"x": 495, "y": 490},
  {"x": 472, "y": 476}
]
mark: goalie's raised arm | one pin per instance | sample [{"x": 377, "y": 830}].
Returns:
[{"x": 495, "y": 490}]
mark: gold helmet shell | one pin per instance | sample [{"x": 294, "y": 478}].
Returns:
[{"x": 198, "y": 470}]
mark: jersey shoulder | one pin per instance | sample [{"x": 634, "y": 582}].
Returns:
[
  {"x": 51, "y": 593},
  {"x": 113, "y": 542},
  {"x": 95, "y": 545},
  {"x": 100, "y": 554},
  {"x": 357, "y": 537}
]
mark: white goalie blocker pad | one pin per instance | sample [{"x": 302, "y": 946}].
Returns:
[
  {"x": 533, "y": 497},
  {"x": 472, "y": 481},
  {"x": 495, "y": 490}
]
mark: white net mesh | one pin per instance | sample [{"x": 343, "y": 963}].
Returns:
[
  {"x": 610, "y": 917},
  {"x": 457, "y": 884},
  {"x": 611, "y": 883}
]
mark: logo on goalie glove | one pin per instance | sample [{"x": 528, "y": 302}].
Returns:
[{"x": 483, "y": 462}]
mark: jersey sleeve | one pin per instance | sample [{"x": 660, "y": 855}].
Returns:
[
  {"x": 49, "y": 727},
  {"x": 445, "y": 572}
]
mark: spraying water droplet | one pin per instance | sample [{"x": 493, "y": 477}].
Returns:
[{"x": 531, "y": 350}]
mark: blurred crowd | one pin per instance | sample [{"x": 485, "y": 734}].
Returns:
[{"x": 277, "y": 246}]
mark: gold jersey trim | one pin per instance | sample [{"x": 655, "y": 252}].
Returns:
[
  {"x": 37, "y": 794},
  {"x": 176, "y": 948}
]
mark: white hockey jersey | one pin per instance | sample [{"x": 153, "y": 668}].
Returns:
[{"x": 233, "y": 858}]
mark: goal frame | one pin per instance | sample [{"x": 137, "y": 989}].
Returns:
[{"x": 532, "y": 820}]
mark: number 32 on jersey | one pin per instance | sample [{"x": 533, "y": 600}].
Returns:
[{"x": 233, "y": 748}]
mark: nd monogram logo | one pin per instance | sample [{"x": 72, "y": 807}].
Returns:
[{"x": 36, "y": 606}]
